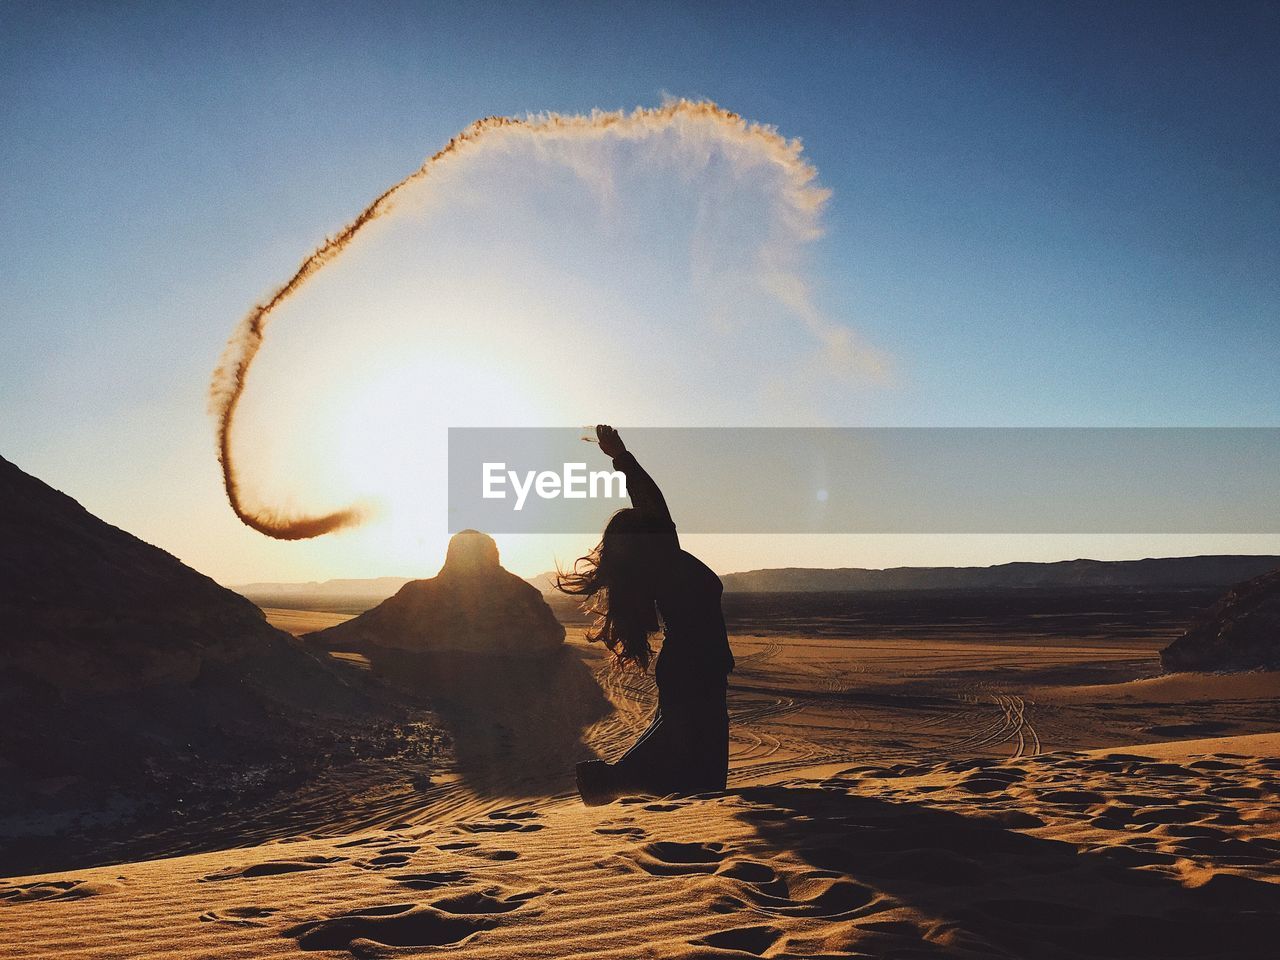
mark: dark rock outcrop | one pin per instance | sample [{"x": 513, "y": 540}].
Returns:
[
  {"x": 88, "y": 609},
  {"x": 133, "y": 687},
  {"x": 472, "y": 605},
  {"x": 1240, "y": 632}
]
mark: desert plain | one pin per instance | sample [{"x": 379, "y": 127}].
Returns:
[{"x": 913, "y": 774}]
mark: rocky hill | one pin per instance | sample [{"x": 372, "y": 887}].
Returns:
[
  {"x": 338, "y": 596},
  {"x": 1240, "y": 632},
  {"x": 130, "y": 682}
]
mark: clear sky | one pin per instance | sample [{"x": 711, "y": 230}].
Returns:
[{"x": 1041, "y": 214}]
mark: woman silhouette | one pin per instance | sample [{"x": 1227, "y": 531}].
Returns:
[{"x": 634, "y": 575}]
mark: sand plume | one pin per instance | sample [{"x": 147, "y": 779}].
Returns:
[{"x": 701, "y": 123}]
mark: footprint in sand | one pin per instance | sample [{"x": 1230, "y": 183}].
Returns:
[
  {"x": 666, "y": 858},
  {"x": 58, "y": 890},
  {"x": 1138, "y": 799},
  {"x": 383, "y": 861},
  {"x": 272, "y": 868},
  {"x": 239, "y": 916},
  {"x": 1162, "y": 770},
  {"x": 726, "y": 904},
  {"x": 1212, "y": 765},
  {"x": 649, "y": 804},
  {"x": 821, "y": 894},
  {"x": 1111, "y": 816},
  {"x": 376, "y": 841},
  {"x": 394, "y": 925},
  {"x": 515, "y": 815},
  {"x": 501, "y": 826},
  {"x": 765, "y": 814},
  {"x": 432, "y": 880},
  {"x": 389, "y": 857},
  {"x": 449, "y": 921},
  {"x": 749, "y": 871},
  {"x": 474, "y": 849},
  {"x": 1242, "y": 792},
  {"x": 631, "y": 833},
  {"x": 487, "y": 901},
  {"x": 753, "y": 940},
  {"x": 987, "y": 781},
  {"x": 500, "y": 855},
  {"x": 1187, "y": 813}
]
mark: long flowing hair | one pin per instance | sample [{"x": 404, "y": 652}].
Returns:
[{"x": 615, "y": 581}]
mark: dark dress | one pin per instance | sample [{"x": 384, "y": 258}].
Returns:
[{"x": 686, "y": 747}]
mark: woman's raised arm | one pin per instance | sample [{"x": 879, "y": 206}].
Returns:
[{"x": 644, "y": 493}]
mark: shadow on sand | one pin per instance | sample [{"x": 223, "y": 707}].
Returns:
[
  {"x": 984, "y": 889},
  {"x": 515, "y": 723}
]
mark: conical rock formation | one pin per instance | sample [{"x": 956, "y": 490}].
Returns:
[{"x": 472, "y": 605}]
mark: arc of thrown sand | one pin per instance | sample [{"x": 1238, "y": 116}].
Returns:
[{"x": 803, "y": 197}]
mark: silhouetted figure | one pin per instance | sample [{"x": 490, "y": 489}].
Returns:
[{"x": 636, "y": 573}]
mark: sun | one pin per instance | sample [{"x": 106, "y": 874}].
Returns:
[{"x": 386, "y": 430}]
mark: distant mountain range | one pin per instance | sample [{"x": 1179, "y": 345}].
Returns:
[
  {"x": 373, "y": 590},
  {"x": 1212, "y": 571},
  {"x": 545, "y": 582},
  {"x": 385, "y": 586}
]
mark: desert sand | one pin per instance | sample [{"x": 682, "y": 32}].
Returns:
[
  {"x": 298, "y": 622},
  {"x": 950, "y": 793}
]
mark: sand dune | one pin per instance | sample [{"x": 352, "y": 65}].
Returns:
[
  {"x": 1173, "y": 688},
  {"x": 888, "y": 798},
  {"x": 1060, "y": 855}
]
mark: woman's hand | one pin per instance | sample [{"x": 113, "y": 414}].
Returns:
[{"x": 610, "y": 443}]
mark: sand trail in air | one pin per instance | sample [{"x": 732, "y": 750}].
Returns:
[{"x": 684, "y": 129}]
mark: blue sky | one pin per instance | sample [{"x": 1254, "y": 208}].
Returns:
[{"x": 1046, "y": 214}]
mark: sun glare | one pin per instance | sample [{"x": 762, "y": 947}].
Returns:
[{"x": 388, "y": 431}]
